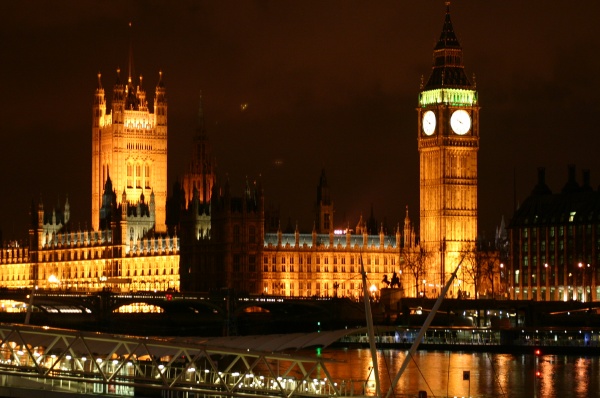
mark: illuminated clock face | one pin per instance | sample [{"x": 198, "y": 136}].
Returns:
[
  {"x": 428, "y": 122},
  {"x": 460, "y": 121}
]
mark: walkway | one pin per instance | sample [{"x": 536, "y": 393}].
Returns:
[{"x": 59, "y": 360}]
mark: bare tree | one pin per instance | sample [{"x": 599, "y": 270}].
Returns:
[
  {"x": 473, "y": 269},
  {"x": 482, "y": 268},
  {"x": 415, "y": 261},
  {"x": 491, "y": 269}
]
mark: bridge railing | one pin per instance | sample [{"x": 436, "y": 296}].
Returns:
[{"x": 96, "y": 363}]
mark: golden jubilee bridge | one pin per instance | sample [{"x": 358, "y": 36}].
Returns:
[{"x": 51, "y": 362}]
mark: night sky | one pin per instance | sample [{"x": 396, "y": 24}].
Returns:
[{"x": 328, "y": 84}]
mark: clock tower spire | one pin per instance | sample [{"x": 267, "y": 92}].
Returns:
[{"x": 448, "y": 141}]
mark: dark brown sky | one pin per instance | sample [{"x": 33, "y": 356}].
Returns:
[{"x": 329, "y": 84}]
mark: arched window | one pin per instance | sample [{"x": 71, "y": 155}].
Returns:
[
  {"x": 147, "y": 176},
  {"x": 138, "y": 175},
  {"x": 129, "y": 175}
]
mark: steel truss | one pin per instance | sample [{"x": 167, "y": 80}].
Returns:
[{"x": 119, "y": 365}]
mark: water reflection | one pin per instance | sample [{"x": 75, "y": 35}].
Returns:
[{"x": 441, "y": 374}]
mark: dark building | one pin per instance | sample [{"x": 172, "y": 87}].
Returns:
[{"x": 555, "y": 241}]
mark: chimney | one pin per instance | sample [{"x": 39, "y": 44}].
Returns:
[
  {"x": 541, "y": 176},
  {"x": 586, "y": 177},
  {"x": 571, "y": 173}
]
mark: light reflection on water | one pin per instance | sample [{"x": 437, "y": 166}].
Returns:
[{"x": 440, "y": 374}]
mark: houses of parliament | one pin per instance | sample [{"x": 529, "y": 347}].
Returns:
[{"x": 202, "y": 236}]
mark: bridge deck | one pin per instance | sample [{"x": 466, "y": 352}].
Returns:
[{"x": 91, "y": 363}]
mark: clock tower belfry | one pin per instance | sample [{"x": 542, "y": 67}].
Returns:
[{"x": 448, "y": 141}]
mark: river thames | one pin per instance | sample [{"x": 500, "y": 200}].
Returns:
[{"x": 456, "y": 374}]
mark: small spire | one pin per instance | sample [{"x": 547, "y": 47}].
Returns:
[
  {"x": 130, "y": 71},
  {"x": 200, "y": 115},
  {"x": 447, "y": 6},
  {"x": 160, "y": 77},
  {"x": 99, "y": 80}
]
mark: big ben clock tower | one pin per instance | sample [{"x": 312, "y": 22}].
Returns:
[{"x": 448, "y": 139}]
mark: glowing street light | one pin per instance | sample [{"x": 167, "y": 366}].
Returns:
[{"x": 373, "y": 290}]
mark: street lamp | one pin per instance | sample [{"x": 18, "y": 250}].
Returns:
[
  {"x": 52, "y": 279},
  {"x": 502, "y": 287},
  {"x": 373, "y": 290},
  {"x": 585, "y": 271},
  {"x": 547, "y": 283},
  {"x": 582, "y": 283}
]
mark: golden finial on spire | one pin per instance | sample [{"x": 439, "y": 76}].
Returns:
[{"x": 130, "y": 72}]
